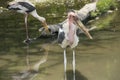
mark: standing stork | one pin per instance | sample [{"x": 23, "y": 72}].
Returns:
[
  {"x": 26, "y": 7},
  {"x": 67, "y": 36}
]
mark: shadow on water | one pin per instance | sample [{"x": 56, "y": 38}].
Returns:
[{"x": 78, "y": 75}]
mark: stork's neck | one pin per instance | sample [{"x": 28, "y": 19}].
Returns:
[
  {"x": 71, "y": 21},
  {"x": 71, "y": 31},
  {"x": 34, "y": 14}
]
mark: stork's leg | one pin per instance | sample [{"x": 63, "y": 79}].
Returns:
[
  {"x": 28, "y": 40},
  {"x": 26, "y": 26},
  {"x": 65, "y": 64},
  {"x": 73, "y": 65}
]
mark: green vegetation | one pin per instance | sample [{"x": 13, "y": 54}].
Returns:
[
  {"x": 55, "y": 12},
  {"x": 104, "y": 22},
  {"x": 103, "y": 6}
]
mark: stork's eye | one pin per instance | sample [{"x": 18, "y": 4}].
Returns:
[{"x": 75, "y": 17}]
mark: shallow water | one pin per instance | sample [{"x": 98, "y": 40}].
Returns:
[{"x": 96, "y": 59}]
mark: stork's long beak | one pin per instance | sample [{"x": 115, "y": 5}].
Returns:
[
  {"x": 46, "y": 27},
  {"x": 83, "y": 28}
]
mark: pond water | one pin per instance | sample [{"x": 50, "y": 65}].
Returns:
[{"x": 97, "y": 59}]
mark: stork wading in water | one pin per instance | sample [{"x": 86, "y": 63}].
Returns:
[
  {"x": 67, "y": 36},
  {"x": 26, "y": 7}
]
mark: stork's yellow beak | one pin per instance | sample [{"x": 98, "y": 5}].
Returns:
[
  {"x": 83, "y": 28},
  {"x": 46, "y": 27}
]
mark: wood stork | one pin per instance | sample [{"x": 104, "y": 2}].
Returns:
[
  {"x": 67, "y": 37},
  {"x": 26, "y": 7}
]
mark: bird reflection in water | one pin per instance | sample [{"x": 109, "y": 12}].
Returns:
[{"x": 32, "y": 71}]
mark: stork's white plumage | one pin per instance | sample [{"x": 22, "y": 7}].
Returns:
[
  {"x": 70, "y": 37},
  {"x": 67, "y": 37},
  {"x": 26, "y": 7}
]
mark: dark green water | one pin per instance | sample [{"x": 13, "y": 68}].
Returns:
[{"x": 97, "y": 59}]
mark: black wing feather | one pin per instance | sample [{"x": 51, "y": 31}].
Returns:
[
  {"x": 61, "y": 37},
  {"x": 28, "y": 6}
]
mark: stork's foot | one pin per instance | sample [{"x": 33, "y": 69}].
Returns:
[{"x": 28, "y": 41}]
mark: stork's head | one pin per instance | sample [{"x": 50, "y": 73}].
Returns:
[
  {"x": 12, "y": 5},
  {"x": 72, "y": 16}
]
